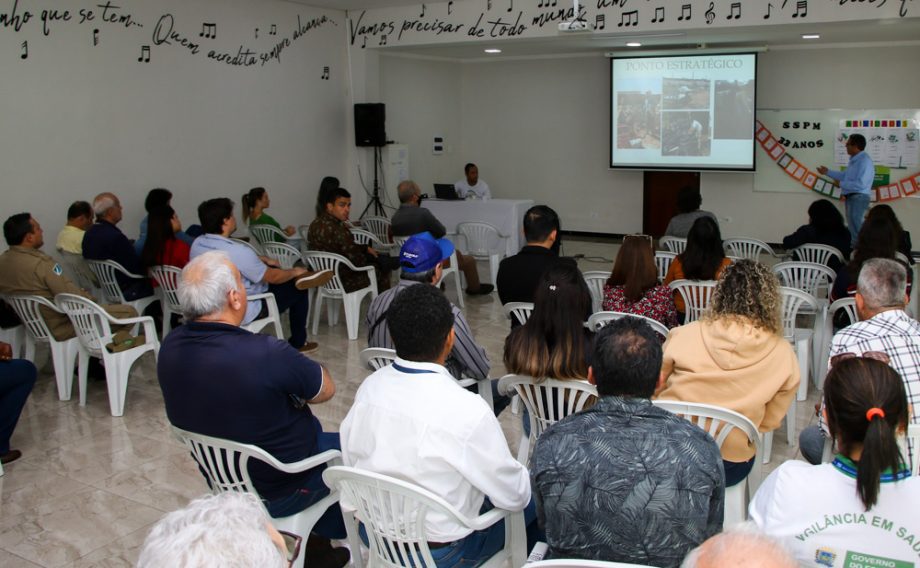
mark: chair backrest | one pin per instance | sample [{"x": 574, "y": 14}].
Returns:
[
  {"x": 663, "y": 260},
  {"x": 27, "y": 308},
  {"x": 549, "y": 400},
  {"x": 848, "y": 305},
  {"x": 898, "y": 255},
  {"x": 676, "y": 245},
  {"x": 913, "y": 438},
  {"x": 320, "y": 261},
  {"x": 168, "y": 277},
  {"x": 105, "y": 271},
  {"x": 364, "y": 237},
  {"x": 793, "y": 302},
  {"x": 817, "y": 253},
  {"x": 253, "y": 245},
  {"x": 482, "y": 239},
  {"x": 380, "y": 226},
  {"x": 76, "y": 269},
  {"x": 377, "y": 357},
  {"x": 304, "y": 232},
  {"x": 393, "y": 512},
  {"x": 743, "y": 247},
  {"x": 596, "y": 279},
  {"x": 399, "y": 242},
  {"x": 718, "y": 422},
  {"x": 285, "y": 254},
  {"x": 518, "y": 310},
  {"x": 600, "y": 319},
  {"x": 89, "y": 321},
  {"x": 696, "y": 294},
  {"x": 267, "y": 234},
  {"x": 816, "y": 279}
]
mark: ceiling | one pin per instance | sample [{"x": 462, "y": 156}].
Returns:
[{"x": 879, "y": 32}]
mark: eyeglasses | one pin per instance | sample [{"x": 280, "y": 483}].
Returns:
[
  {"x": 292, "y": 544},
  {"x": 876, "y": 355}
]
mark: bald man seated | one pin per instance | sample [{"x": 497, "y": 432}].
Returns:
[{"x": 105, "y": 241}]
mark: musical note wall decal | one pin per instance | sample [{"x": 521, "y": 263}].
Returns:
[
  {"x": 145, "y": 54},
  {"x": 801, "y": 9},
  {"x": 767, "y": 15},
  {"x": 510, "y": 5},
  {"x": 489, "y": 5},
  {"x": 630, "y": 18},
  {"x": 600, "y": 22},
  {"x": 735, "y": 12},
  {"x": 273, "y": 30},
  {"x": 257, "y": 33},
  {"x": 422, "y": 15},
  {"x": 25, "y": 50},
  {"x": 325, "y": 76},
  {"x": 659, "y": 15},
  {"x": 208, "y": 31},
  {"x": 710, "y": 13},
  {"x": 547, "y": 4},
  {"x": 383, "y": 39},
  {"x": 96, "y": 37},
  {"x": 450, "y": 7},
  {"x": 685, "y": 12},
  {"x": 363, "y": 45}
]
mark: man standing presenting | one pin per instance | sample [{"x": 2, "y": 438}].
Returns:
[
  {"x": 411, "y": 420},
  {"x": 411, "y": 219},
  {"x": 855, "y": 183},
  {"x": 626, "y": 481},
  {"x": 471, "y": 185},
  {"x": 884, "y": 330}
]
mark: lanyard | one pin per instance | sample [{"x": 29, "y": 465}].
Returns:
[
  {"x": 410, "y": 371},
  {"x": 848, "y": 468}
]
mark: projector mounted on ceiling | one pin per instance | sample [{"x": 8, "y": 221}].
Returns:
[{"x": 576, "y": 24}]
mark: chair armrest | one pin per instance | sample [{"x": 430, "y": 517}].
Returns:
[
  {"x": 349, "y": 265},
  {"x": 330, "y": 457},
  {"x": 491, "y": 517},
  {"x": 150, "y": 329},
  {"x": 129, "y": 274}
]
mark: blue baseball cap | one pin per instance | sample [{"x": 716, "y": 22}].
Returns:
[{"x": 422, "y": 252}]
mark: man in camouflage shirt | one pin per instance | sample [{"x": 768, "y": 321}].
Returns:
[{"x": 328, "y": 233}]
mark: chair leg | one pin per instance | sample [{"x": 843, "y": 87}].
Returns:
[
  {"x": 456, "y": 276},
  {"x": 767, "y": 446},
  {"x": 523, "y": 449},
  {"x": 352, "y": 306},
  {"x": 62, "y": 359},
  {"x": 317, "y": 308},
  {"x": 791, "y": 424},
  {"x": 167, "y": 321},
  {"x": 493, "y": 268},
  {"x": 804, "y": 356}
]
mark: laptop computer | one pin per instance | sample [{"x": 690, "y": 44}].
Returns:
[{"x": 445, "y": 191}]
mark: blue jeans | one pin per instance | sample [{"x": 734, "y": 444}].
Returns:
[
  {"x": 856, "y": 205},
  {"x": 297, "y": 305},
  {"x": 479, "y": 546},
  {"x": 330, "y": 525},
  {"x": 17, "y": 377},
  {"x": 736, "y": 472}
]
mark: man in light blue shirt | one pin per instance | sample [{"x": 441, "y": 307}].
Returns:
[{"x": 855, "y": 183}]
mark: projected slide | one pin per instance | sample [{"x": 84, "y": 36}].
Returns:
[{"x": 688, "y": 112}]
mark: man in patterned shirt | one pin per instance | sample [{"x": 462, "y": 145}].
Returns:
[
  {"x": 626, "y": 481},
  {"x": 883, "y": 326},
  {"x": 329, "y": 233}
]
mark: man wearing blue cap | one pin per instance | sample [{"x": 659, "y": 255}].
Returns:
[{"x": 420, "y": 259}]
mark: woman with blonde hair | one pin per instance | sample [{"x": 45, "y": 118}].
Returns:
[{"x": 735, "y": 357}]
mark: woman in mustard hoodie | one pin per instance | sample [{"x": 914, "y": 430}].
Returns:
[{"x": 736, "y": 358}]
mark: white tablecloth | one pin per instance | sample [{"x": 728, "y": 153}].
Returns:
[{"x": 507, "y": 215}]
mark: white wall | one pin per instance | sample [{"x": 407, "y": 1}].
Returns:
[
  {"x": 81, "y": 118},
  {"x": 539, "y": 128}
]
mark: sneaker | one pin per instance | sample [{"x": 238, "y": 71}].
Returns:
[
  {"x": 314, "y": 279},
  {"x": 482, "y": 291},
  {"x": 309, "y": 347},
  {"x": 10, "y": 456}
]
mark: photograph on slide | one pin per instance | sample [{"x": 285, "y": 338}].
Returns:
[
  {"x": 686, "y": 94},
  {"x": 638, "y": 119},
  {"x": 685, "y": 133},
  {"x": 733, "y": 110}
]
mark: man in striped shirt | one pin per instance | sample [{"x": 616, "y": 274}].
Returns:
[
  {"x": 884, "y": 331},
  {"x": 421, "y": 259}
]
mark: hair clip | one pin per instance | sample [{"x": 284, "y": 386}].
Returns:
[{"x": 873, "y": 412}]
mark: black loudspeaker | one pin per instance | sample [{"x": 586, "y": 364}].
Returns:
[{"x": 370, "y": 119}]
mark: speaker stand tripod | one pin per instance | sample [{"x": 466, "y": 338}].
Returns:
[{"x": 375, "y": 201}]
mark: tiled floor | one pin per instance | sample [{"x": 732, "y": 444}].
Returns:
[{"x": 89, "y": 485}]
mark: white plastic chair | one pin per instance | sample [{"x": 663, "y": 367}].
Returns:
[
  {"x": 79, "y": 273},
  {"x": 484, "y": 242},
  {"x": 518, "y": 310},
  {"x": 367, "y": 238},
  {"x": 900, "y": 256},
  {"x": 596, "y": 279},
  {"x": 743, "y": 247},
  {"x": 304, "y": 232},
  {"x": 16, "y": 337},
  {"x": 548, "y": 401},
  {"x": 252, "y": 244},
  {"x": 264, "y": 234},
  {"x": 394, "y": 512},
  {"x": 273, "y": 318},
  {"x": 167, "y": 278},
  {"x": 225, "y": 466},
  {"x": 576, "y": 563},
  {"x": 848, "y": 305},
  {"x": 600, "y": 319},
  {"x": 286, "y": 255},
  {"x": 817, "y": 253},
  {"x": 718, "y": 422},
  {"x": 334, "y": 290},
  {"x": 676, "y": 245},
  {"x": 697, "y": 295},
  {"x": 817, "y": 280},
  {"x": 375, "y": 358},
  {"x": 63, "y": 353},
  {"x": 105, "y": 271},
  {"x": 663, "y": 260},
  {"x": 796, "y": 303},
  {"x": 379, "y": 226},
  {"x": 93, "y": 326},
  {"x": 913, "y": 438}
]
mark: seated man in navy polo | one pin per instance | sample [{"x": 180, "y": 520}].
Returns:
[
  {"x": 260, "y": 274},
  {"x": 105, "y": 241},
  {"x": 223, "y": 381}
]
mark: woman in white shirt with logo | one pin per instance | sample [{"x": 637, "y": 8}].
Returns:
[{"x": 860, "y": 509}]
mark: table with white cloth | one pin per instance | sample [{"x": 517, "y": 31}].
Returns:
[{"x": 506, "y": 215}]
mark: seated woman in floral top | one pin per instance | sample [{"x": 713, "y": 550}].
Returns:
[{"x": 633, "y": 285}]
